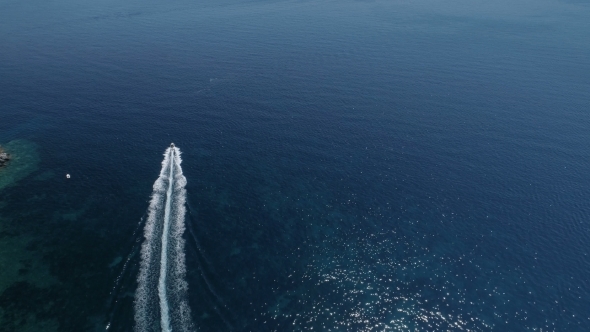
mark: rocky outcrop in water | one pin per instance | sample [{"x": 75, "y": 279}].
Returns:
[
  {"x": 23, "y": 159},
  {"x": 4, "y": 157}
]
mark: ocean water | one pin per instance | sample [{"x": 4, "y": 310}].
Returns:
[{"x": 350, "y": 165}]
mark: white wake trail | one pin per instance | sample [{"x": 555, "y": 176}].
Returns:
[
  {"x": 164, "y": 308},
  {"x": 162, "y": 266}
]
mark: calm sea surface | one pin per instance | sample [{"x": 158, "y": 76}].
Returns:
[{"x": 351, "y": 165}]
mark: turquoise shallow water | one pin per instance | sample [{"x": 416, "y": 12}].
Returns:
[{"x": 350, "y": 166}]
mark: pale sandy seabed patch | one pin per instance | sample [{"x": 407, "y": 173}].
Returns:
[{"x": 17, "y": 263}]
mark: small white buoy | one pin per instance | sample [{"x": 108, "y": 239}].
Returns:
[{"x": 68, "y": 176}]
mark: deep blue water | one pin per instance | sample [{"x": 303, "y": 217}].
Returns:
[{"x": 351, "y": 165}]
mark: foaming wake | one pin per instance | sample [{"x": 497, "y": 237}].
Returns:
[{"x": 160, "y": 300}]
